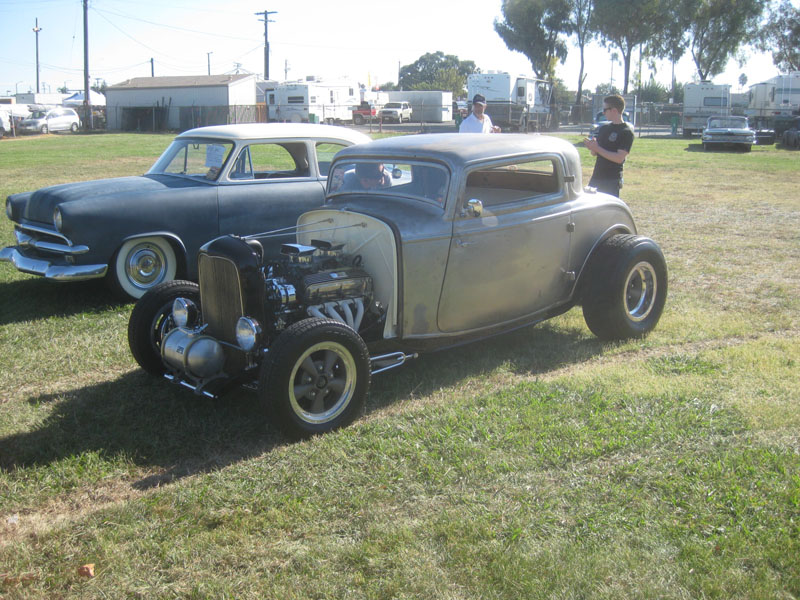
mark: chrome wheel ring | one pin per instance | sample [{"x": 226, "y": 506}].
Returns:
[
  {"x": 322, "y": 382},
  {"x": 639, "y": 294},
  {"x": 145, "y": 265}
]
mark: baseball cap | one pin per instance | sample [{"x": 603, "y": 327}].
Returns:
[{"x": 478, "y": 99}]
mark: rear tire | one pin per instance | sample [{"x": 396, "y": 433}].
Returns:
[
  {"x": 151, "y": 319},
  {"x": 626, "y": 288},
  {"x": 315, "y": 378},
  {"x": 74, "y": 128}
]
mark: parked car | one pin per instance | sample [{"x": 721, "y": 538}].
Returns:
[
  {"x": 54, "y": 119},
  {"x": 728, "y": 131},
  {"x": 364, "y": 112},
  {"x": 140, "y": 231},
  {"x": 791, "y": 137},
  {"x": 470, "y": 237},
  {"x": 600, "y": 120},
  {"x": 396, "y": 111}
]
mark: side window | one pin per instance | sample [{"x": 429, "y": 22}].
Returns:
[
  {"x": 524, "y": 181},
  {"x": 271, "y": 161},
  {"x": 325, "y": 153}
]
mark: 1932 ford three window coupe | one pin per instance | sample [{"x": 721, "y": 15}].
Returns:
[{"x": 424, "y": 242}]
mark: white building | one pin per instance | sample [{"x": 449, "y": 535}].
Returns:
[{"x": 155, "y": 103}]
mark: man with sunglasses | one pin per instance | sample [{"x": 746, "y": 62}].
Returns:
[{"x": 611, "y": 147}]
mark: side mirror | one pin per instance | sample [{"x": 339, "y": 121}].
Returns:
[{"x": 474, "y": 208}]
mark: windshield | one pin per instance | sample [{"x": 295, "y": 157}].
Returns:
[
  {"x": 728, "y": 122},
  {"x": 197, "y": 159},
  {"x": 419, "y": 180},
  {"x": 38, "y": 114}
]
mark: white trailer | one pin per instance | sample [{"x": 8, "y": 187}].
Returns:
[
  {"x": 426, "y": 106},
  {"x": 703, "y": 100},
  {"x": 313, "y": 101},
  {"x": 513, "y": 102}
]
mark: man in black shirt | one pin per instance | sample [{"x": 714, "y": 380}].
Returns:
[{"x": 611, "y": 147}]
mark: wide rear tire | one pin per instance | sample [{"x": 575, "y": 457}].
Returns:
[
  {"x": 151, "y": 319},
  {"x": 626, "y": 288},
  {"x": 315, "y": 378}
]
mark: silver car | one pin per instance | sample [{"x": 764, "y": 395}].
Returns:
[
  {"x": 728, "y": 131},
  {"x": 425, "y": 242},
  {"x": 54, "y": 119}
]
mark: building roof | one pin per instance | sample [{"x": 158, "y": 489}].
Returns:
[{"x": 182, "y": 81}]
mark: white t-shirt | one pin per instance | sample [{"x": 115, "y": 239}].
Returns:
[{"x": 472, "y": 125}]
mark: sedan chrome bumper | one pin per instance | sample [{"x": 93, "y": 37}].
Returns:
[{"x": 48, "y": 270}]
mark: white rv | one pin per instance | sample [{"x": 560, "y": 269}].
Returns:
[
  {"x": 703, "y": 100},
  {"x": 313, "y": 101},
  {"x": 513, "y": 102},
  {"x": 776, "y": 97}
]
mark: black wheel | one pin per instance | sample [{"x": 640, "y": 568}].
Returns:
[
  {"x": 73, "y": 128},
  {"x": 626, "y": 287},
  {"x": 316, "y": 377},
  {"x": 358, "y": 119},
  {"x": 151, "y": 319}
]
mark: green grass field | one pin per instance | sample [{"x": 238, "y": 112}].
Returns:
[{"x": 540, "y": 464}]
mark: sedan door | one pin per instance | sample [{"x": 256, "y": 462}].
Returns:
[
  {"x": 268, "y": 186},
  {"x": 512, "y": 260}
]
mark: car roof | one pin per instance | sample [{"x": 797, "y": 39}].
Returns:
[
  {"x": 257, "y": 131},
  {"x": 459, "y": 149}
]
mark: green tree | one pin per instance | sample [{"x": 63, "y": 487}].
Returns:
[
  {"x": 581, "y": 27},
  {"x": 625, "y": 24},
  {"x": 534, "y": 28},
  {"x": 652, "y": 91},
  {"x": 437, "y": 71},
  {"x": 717, "y": 31},
  {"x": 780, "y": 35}
]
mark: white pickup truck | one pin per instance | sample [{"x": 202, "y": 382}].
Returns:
[{"x": 396, "y": 111}]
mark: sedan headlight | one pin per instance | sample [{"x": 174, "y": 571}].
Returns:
[
  {"x": 184, "y": 312},
  {"x": 57, "y": 221},
  {"x": 248, "y": 332}
]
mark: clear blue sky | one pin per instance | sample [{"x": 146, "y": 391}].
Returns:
[{"x": 365, "y": 41}]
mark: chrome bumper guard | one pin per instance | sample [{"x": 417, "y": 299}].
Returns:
[{"x": 48, "y": 270}]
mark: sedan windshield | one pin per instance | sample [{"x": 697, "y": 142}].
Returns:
[
  {"x": 423, "y": 181},
  {"x": 728, "y": 123},
  {"x": 193, "y": 158}
]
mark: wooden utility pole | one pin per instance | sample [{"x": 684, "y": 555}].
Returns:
[{"x": 266, "y": 15}]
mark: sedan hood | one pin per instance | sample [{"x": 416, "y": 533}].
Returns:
[{"x": 39, "y": 205}]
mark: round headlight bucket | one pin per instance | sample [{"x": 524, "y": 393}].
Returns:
[
  {"x": 247, "y": 333},
  {"x": 9, "y": 210},
  {"x": 184, "y": 312},
  {"x": 57, "y": 221}
]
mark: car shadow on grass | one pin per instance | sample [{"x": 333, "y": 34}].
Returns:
[
  {"x": 34, "y": 299},
  {"x": 158, "y": 426}
]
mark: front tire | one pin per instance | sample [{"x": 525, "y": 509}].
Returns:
[
  {"x": 316, "y": 377},
  {"x": 74, "y": 128},
  {"x": 626, "y": 288},
  {"x": 151, "y": 319},
  {"x": 141, "y": 264}
]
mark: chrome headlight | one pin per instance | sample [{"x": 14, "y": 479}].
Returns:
[
  {"x": 248, "y": 332},
  {"x": 57, "y": 221},
  {"x": 184, "y": 312}
]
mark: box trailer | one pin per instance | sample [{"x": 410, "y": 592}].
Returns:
[
  {"x": 313, "y": 101},
  {"x": 772, "y": 104},
  {"x": 516, "y": 103},
  {"x": 703, "y": 100}
]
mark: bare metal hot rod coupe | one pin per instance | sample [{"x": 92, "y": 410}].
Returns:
[{"x": 424, "y": 242}]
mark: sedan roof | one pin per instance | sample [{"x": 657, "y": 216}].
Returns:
[{"x": 259, "y": 131}]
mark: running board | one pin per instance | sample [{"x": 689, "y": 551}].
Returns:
[{"x": 384, "y": 362}]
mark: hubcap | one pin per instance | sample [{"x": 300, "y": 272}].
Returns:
[
  {"x": 145, "y": 266},
  {"x": 640, "y": 291},
  {"x": 322, "y": 382}
]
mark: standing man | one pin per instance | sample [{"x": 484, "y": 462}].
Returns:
[
  {"x": 611, "y": 147},
  {"x": 477, "y": 121}
]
